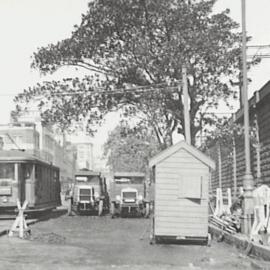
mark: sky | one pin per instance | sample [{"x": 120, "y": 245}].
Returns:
[
  {"x": 258, "y": 26},
  {"x": 26, "y": 25}
]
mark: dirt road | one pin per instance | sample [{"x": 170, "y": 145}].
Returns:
[{"x": 104, "y": 243}]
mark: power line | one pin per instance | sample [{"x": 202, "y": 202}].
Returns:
[
  {"x": 258, "y": 46},
  {"x": 150, "y": 87},
  {"x": 8, "y": 94},
  {"x": 260, "y": 51},
  {"x": 222, "y": 113},
  {"x": 118, "y": 91},
  {"x": 137, "y": 89}
]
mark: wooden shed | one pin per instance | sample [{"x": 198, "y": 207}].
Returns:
[{"x": 181, "y": 175}]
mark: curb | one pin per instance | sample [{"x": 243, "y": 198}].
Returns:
[{"x": 243, "y": 243}]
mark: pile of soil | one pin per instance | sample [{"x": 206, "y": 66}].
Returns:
[{"x": 50, "y": 238}]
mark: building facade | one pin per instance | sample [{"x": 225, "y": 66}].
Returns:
[{"x": 84, "y": 155}]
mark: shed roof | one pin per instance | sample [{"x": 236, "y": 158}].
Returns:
[{"x": 182, "y": 145}]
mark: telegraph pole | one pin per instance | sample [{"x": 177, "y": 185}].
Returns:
[
  {"x": 248, "y": 182},
  {"x": 186, "y": 105}
]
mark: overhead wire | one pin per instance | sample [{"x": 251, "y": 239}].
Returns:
[
  {"x": 137, "y": 89},
  {"x": 120, "y": 91},
  {"x": 150, "y": 87}
]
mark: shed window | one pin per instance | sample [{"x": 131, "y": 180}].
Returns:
[{"x": 190, "y": 186}]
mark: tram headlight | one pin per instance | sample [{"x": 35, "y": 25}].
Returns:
[
  {"x": 5, "y": 200},
  {"x": 118, "y": 198},
  {"x": 140, "y": 198}
]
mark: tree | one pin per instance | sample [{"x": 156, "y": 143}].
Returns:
[
  {"x": 142, "y": 43},
  {"x": 225, "y": 139},
  {"x": 129, "y": 150},
  {"x": 222, "y": 143}
]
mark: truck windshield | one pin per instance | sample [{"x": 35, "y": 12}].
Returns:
[
  {"x": 87, "y": 179},
  {"x": 129, "y": 180},
  {"x": 122, "y": 180}
]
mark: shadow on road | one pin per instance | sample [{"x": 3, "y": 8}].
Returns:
[{"x": 52, "y": 214}]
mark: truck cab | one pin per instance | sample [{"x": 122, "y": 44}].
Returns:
[
  {"x": 128, "y": 194},
  {"x": 89, "y": 193}
]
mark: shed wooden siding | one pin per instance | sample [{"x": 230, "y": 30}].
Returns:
[{"x": 176, "y": 215}]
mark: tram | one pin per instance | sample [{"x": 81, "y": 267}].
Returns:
[{"x": 27, "y": 177}]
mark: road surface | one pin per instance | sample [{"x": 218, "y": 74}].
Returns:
[{"x": 64, "y": 242}]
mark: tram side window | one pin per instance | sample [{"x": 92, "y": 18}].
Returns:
[
  {"x": 55, "y": 175},
  {"x": 38, "y": 173},
  {"x": 7, "y": 171}
]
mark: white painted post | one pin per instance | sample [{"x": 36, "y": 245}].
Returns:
[
  {"x": 229, "y": 194},
  {"x": 19, "y": 224},
  {"x": 186, "y": 105}
]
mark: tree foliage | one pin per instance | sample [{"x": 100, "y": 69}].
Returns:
[
  {"x": 128, "y": 149},
  {"x": 224, "y": 134},
  {"x": 227, "y": 133},
  {"x": 142, "y": 43}
]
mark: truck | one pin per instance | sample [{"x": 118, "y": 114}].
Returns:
[
  {"x": 89, "y": 193},
  {"x": 128, "y": 193}
]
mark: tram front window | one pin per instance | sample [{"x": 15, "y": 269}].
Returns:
[{"x": 7, "y": 171}]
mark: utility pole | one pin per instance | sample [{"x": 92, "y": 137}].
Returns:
[
  {"x": 186, "y": 105},
  {"x": 248, "y": 182}
]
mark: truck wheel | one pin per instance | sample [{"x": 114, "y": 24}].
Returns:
[
  {"x": 100, "y": 207},
  {"x": 112, "y": 210},
  {"x": 209, "y": 240},
  {"x": 147, "y": 210}
]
